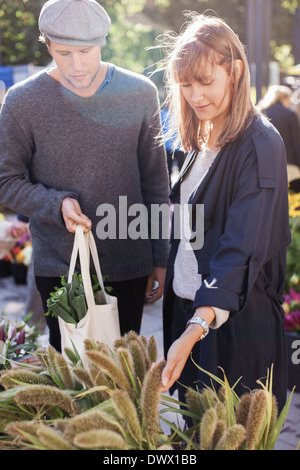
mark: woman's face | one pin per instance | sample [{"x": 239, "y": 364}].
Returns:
[{"x": 210, "y": 94}]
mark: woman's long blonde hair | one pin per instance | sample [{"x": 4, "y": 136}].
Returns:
[
  {"x": 210, "y": 38},
  {"x": 275, "y": 93}
]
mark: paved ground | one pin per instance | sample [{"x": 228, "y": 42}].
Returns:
[{"x": 13, "y": 298}]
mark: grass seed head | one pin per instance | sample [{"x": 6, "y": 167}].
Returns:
[
  {"x": 85, "y": 422},
  {"x": 108, "y": 366},
  {"x": 64, "y": 371},
  {"x": 207, "y": 399},
  {"x": 218, "y": 434},
  {"x": 233, "y": 438},
  {"x": 41, "y": 395},
  {"x": 100, "y": 439},
  {"x": 242, "y": 410},
  {"x": 126, "y": 363},
  {"x": 152, "y": 349},
  {"x": 18, "y": 427},
  {"x": 208, "y": 426},
  {"x": 53, "y": 439},
  {"x": 11, "y": 378},
  {"x": 256, "y": 418},
  {"x": 150, "y": 397},
  {"x": 194, "y": 405},
  {"x": 128, "y": 413},
  {"x": 138, "y": 357},
  {"x": 83, "y": 376}
]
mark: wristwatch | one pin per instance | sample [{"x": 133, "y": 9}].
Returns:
[{"x": 203, "y": 323}]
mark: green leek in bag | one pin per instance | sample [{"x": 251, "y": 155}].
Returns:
[
  {"x": 76, "y": 297},
  {"x": 68, "y": 302}
]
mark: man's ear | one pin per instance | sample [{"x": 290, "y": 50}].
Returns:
[{"x": 48, "y": 45}]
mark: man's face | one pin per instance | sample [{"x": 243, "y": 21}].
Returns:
[{"x": 78, "y": 67}]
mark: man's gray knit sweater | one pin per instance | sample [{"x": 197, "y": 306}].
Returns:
[{"x": 55, "y": 143}]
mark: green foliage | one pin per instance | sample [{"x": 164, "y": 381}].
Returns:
[
  {"x": 59, "y": 405},
  {"x": 135, "y": 26},
  {"x": 292, "y": 280},
  {"x": 62, "y": 406},
  {"x": 293, "y": 258},
  {"x": 224, "y": 421},
  {"x": 290, "y": 5},
  {"x": 129, "y": 37},
  {"x": 19, "y": 33}
]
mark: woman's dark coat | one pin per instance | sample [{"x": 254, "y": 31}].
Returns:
[{"x": 246, "y": 233}]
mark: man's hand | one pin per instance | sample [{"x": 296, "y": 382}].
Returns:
[
  {"x": 73, "y": 216},
  {"x": 155, "y": 285}
]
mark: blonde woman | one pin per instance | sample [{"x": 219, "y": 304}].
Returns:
[
  {"x": 227, "y": 292},
  {"x": 276, "y": 105}
]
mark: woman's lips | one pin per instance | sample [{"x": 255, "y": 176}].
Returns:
[{"x": 201, "y": 108}]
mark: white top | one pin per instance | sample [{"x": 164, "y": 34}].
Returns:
[{"x": 187, "y": 280}]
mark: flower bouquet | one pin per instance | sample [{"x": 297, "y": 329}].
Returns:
[
  {"x": 20, "y": 257},
  {"x": 291, "y": 308},
  {"x": 291, "y": 305},
  {"x": 6, "y": 240},
  {"x": 291, "y": 321},
  {"x": 293, "y": 251},
  {"x": 17, "y": 340},
  {"x": 22, "y": 251}
]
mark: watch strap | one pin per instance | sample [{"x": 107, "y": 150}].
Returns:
[{"x": 199, "y": 321}]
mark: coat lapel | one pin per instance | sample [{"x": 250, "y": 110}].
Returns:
[{"x": 175, "y": 192}]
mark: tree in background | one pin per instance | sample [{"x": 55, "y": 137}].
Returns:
[
  {"x": 125, "y": 46},
  {"x": 135, "y": 25},
  {"x": 19, "y": 33}
]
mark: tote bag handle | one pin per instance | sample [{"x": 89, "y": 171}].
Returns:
[{"x": 85, "y": 246}]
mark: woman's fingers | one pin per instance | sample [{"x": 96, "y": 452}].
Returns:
[
  {"x": 169, "y": 376},
  {"x": 176, "y": 359}
]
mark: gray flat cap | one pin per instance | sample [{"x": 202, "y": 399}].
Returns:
[{"x": 74, "y": 22}]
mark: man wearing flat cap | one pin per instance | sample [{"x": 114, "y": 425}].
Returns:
[{"x": 74, "y": 139}]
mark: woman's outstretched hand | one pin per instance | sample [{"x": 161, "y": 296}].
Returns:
[
  {"x": 181, "y": 348},
  {"x": 177, "y": 356}
]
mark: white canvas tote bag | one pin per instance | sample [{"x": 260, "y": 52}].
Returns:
[{"x": 101, "y": 321}]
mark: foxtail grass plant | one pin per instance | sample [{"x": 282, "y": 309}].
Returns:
[
  {"x": 224, "y": 421},
  {"x": 114, "y": 403},
  {"x": 62, "y": 405}
]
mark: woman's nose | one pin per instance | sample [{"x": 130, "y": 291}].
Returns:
[{"x": 197, "y": 94}]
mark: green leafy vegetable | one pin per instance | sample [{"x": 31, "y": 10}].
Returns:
[{"x": 68, "y": 301}]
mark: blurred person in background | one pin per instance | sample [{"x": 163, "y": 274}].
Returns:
[{"x": 276, "y": 105}]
